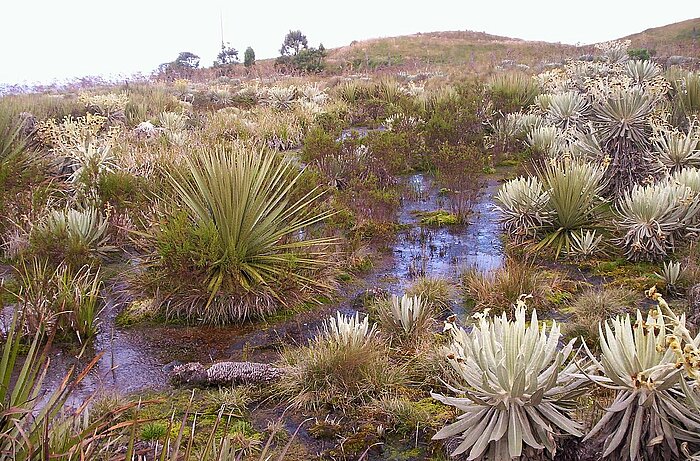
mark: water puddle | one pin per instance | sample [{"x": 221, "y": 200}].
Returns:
[{"x": 443, "y": 251}]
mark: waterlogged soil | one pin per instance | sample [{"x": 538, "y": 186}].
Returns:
[
  {"x": 443, "y": 251},
  {"x": 139, "y": 357}
]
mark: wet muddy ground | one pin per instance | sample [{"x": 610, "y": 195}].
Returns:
[{"x": 137, "y": 357}]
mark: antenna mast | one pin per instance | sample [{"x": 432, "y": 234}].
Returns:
[{"x": 221, "y": 22}]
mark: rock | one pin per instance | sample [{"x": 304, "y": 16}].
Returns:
[{"x": 225, "y": 373}]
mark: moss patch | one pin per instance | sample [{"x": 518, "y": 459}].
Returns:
[{"x": 437, "y": 218}]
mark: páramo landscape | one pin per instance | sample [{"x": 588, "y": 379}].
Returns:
[{"x": 447, "y": 245}]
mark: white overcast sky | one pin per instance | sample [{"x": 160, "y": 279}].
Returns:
[{"x": 42, "y": 40}]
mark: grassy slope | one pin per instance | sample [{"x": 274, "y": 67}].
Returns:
[
  {"x": 474, "y": 49},
  {"x": 680, "y": 38},
  {"x": 481, "y": 52}
]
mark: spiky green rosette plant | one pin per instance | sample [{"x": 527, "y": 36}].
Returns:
[
  {"x": 575, "y": 202},
  {"x": 406, "y": 318},
  {"x": 650, "y": 417},
  {"x": 653, "y": 218},
  {"x": 517, "y": 387},
  {"x": 622, "y": 125},
  {"x": 523, "y": 204},
  {"x": 244, "y": 248}
]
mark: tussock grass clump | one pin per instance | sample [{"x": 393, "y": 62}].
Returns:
[
  {"x": 513, "y": 91},
  {"x": 345, "y": 364},
  {"x": 62, "y": 299},
  {"x": 501, "y": 288},
  {"x": 594, "y": 306},
  {"x": 243, "y": 248},
  {"x": 437, "y": 292}
]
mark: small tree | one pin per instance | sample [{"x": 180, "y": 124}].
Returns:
[
  {"x": 182, "y": 67},
  {"x": 187, "y": 59},
  {"x": 228, "y": 55},
  {"x": 309, "y": 60},
  {"x": 293, "y": 42},
  {"x": 297, "y": 55},
  {"x": 249, "y": 57}
]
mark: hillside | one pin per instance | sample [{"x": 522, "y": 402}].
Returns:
[
  {"x": 680, "y": 38},
  {"x": 477, "y": 50},
  {"x": 480, "y": 51}
]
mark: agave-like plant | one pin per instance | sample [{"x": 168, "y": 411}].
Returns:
[
  {"x": 348, "y": 330},
  {"x": 567, "y": 110},
  {"x": 505, "y": 130},
  {"x": 678, "y": 150},
  {"x": 314, "y": 94},
  {"x": 649, "y": 416},
  {"x": 406, "y": 317},
  {"x": 542, "y": 101},
  {"x": 585, "y": 244},
  {"x": 280, "y": 97},
  {"x": 575, "y": 201},
  {"x": 91, "y": 160},
  {"x": 670, "y": 274},
  {"x": 586, "y": 146},
  {"x": 622, "y": 125},
  {"x": 261, "y": 249},
  {"x": 523, "y": 205},
  {"x": 85, "y": 227},
  {"x": 688, "y": 177},
  {"x": 642, "y": 71},
  {"x": 174, "y": 124},
  {"x": 546, "y": 139},
  {"x": 511, "y": 129},
  {"x": 652, "y": 217},
  {"x": 528, "y": 122},
  {"x": 516, "y": 387}
]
